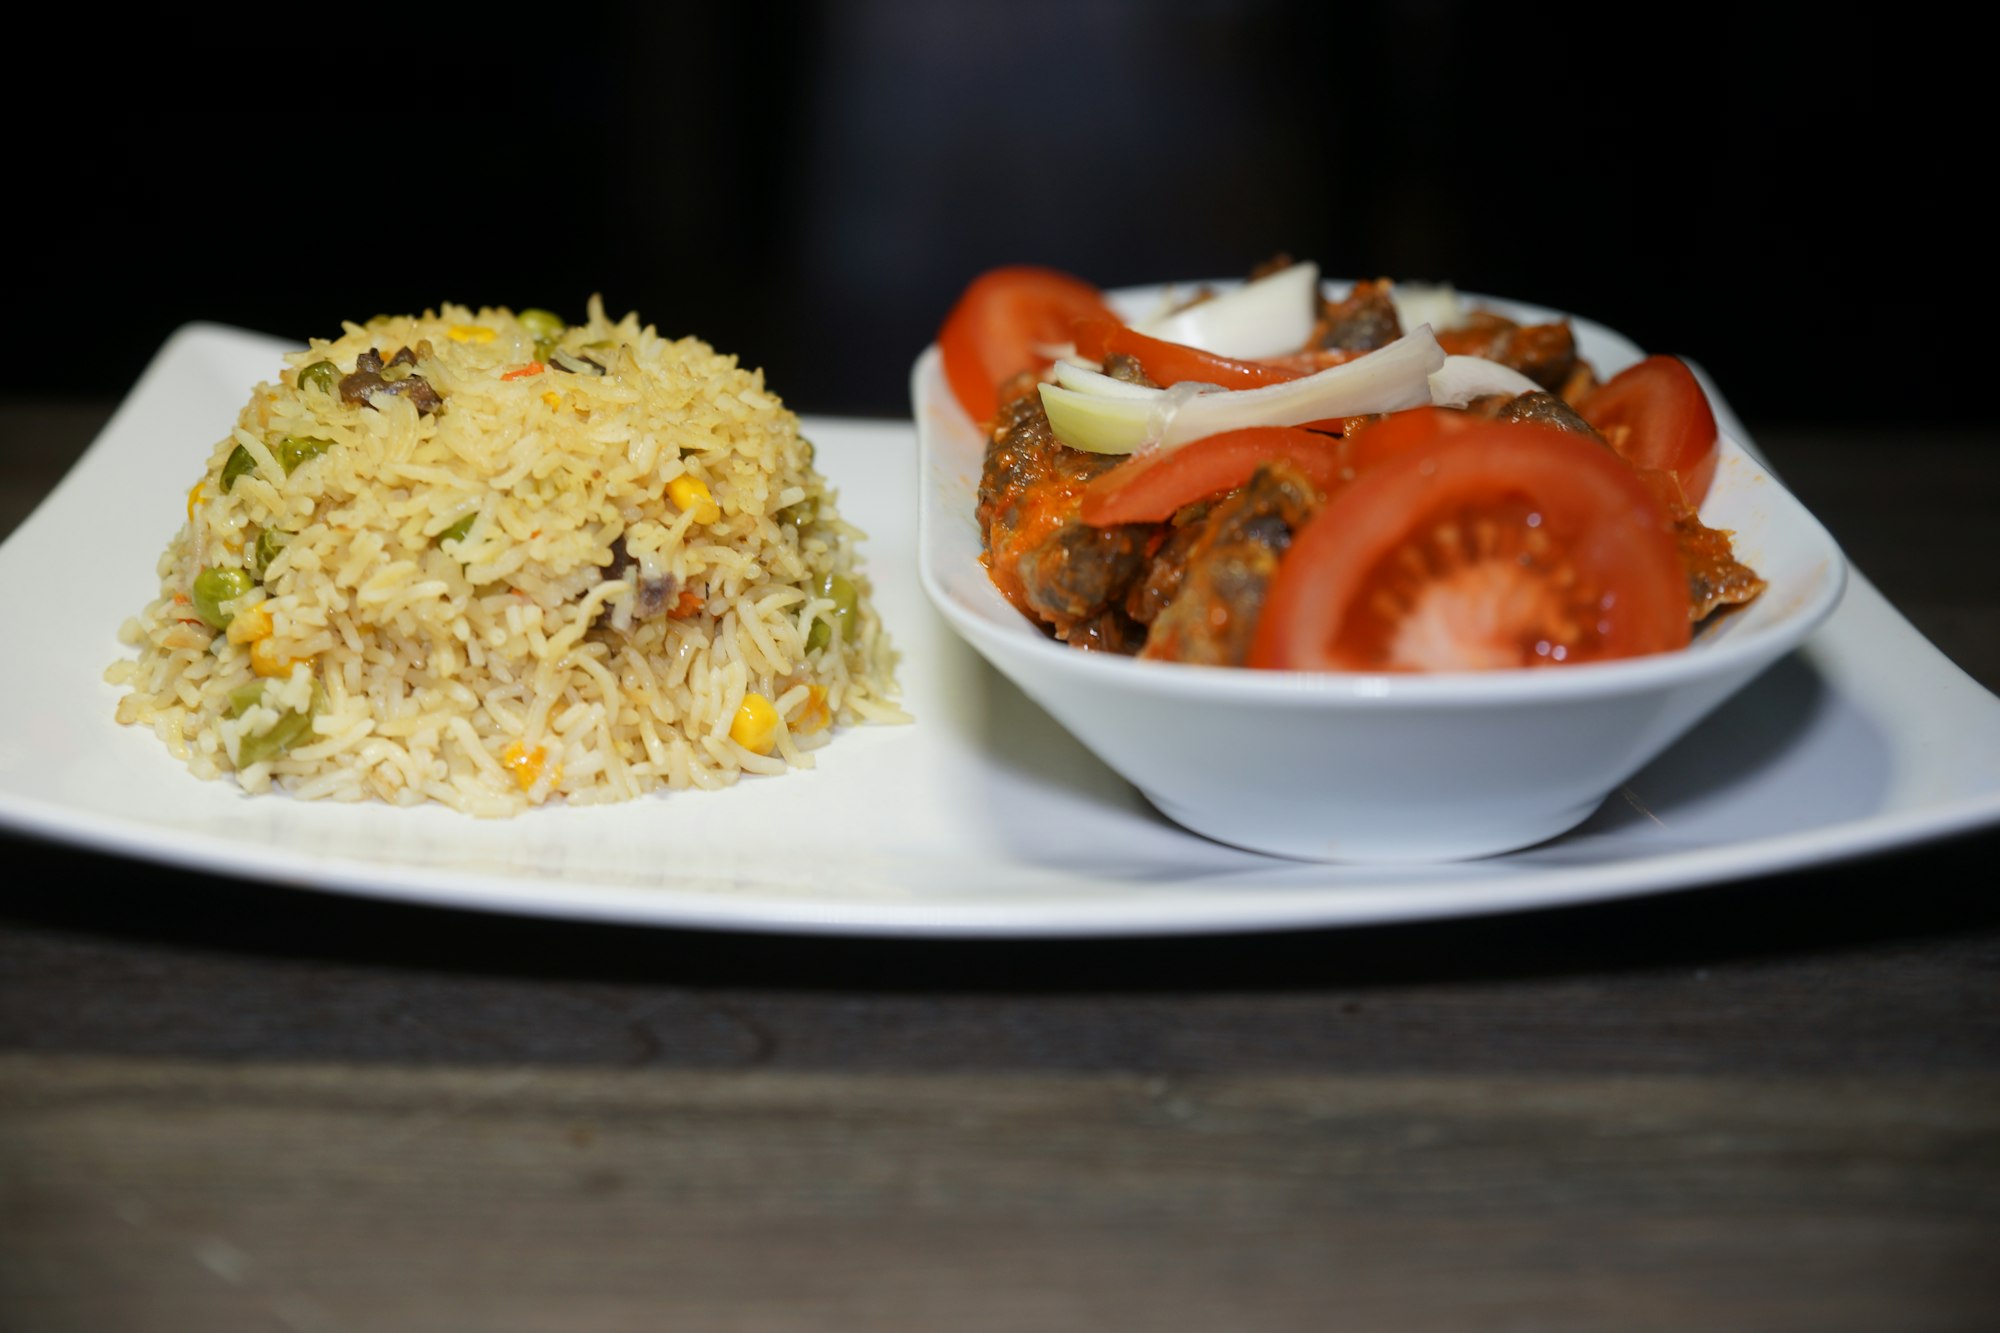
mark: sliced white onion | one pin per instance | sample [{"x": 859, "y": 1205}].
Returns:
[
  {"x": 1385, "y": 380},
  {"x": 1117, "y": 423},
  {"x": 1464, "y": 378},
  {"x": 1267, "y": 316},
  {"x": 1437, "y": 305},
  {"x": 1083, "y": 379}
]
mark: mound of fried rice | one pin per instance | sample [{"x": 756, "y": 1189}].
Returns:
[{"x": 492, "y": 560}]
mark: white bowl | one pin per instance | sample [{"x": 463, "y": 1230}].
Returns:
[{"x": 1377, "y": 768}]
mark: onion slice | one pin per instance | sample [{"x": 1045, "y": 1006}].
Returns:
[
  {"x": 1085, "y": 380},
  {"x": 1266, "y": 316},
  {"x": 1436, "y": 304},
  {"x": 1464, "y": 378},
  {"x": 1385, "y": 380}
]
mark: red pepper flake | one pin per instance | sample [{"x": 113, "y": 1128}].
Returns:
[
  {"x": 689, "y": 603},
  {"x": 522, "y": 372}
]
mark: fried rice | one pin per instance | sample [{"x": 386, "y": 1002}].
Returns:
[{"x": 492, "y": 559}]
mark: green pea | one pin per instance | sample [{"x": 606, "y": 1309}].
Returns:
[
  {"x": 287, "y": 731},
  {"x": 215, "y": 589},
  {"x": 269, "y": 542},
  {"x": 546, "y": 327},
  {"x": 456, "y": 532},
  {"x": 845, "y": 601},
  {"x": 321, "y": 375},
  {"x": 542, "y": 325},
  {"x": 296, "y": 449},
  {"x": 238, "y": 463}
]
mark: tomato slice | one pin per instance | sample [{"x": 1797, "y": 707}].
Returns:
[
  {"x": 1362, "y": 447},
  {"x": 1168, "y": 363},
  {"x": 1003, "y": 324},
  {"x": 1151, "y": 487},
  {"x": 1655, "y": 414},
  {"x": 1491, "y": 545}
]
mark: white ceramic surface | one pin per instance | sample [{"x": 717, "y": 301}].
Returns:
[
  {"x": 981, "y": 819},
  {"x": 1384, "y": 768}
]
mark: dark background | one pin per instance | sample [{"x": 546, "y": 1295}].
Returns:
[{"x": 810, "y": 186}]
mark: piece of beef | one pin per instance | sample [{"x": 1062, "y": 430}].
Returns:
[
  {"x": 1545, "y": 353},
  {"x": 1228, "y": 567},
  {"x": 1543, "y": 408},
  {"x": 1361, "y": 321},
  {"x": 373, "y": 377},
  {"x": 1043, "y": 558}
]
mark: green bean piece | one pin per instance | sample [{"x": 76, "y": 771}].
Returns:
[
  {"x": 238, "y": 463},
  {"x": 245, "y": 697},
  {"x": 800, "y": 515},
  {"x": 215, "y": 589},
  {"x": 269, "y": 542},
  {"x": 845, "y": 601},
  {"x": 296, "y": 449},
  {"x": 456, "y": 532},
  {"x": 321, "y": 375},
  {"x": 287, "y": 731}
]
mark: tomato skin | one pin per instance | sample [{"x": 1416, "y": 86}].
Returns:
[
  {"x": 1397, "y": 432},
  {"x": 1655, "y": 415},
  {"x": 1150, "y": 488},
  {"x": 1169, "y": 363},
  {"x": 1001, "y": 323},
  {"x": 1609, "y": 523}
]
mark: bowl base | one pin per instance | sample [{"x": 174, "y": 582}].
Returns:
[{"x": 1383, "y": 840}]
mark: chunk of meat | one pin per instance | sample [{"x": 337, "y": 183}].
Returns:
[
  {"x": 1228, "y": 569},
  {"x": 1042, "y": 557},
  {"x": 1154, "y": 592},
  {"x": 1543, "y": 408},
  {"x": 1361, "y": 321},
  {"x": 1545, "y": 353},
  {"x": 1125, "y": 367},
  {"x": 1110, "y": 631},
  {"x": 373, "y": 377},
  {"x": 1716, "y": 578}
]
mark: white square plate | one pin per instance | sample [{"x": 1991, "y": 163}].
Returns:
[{"x": 982, "y": 817}]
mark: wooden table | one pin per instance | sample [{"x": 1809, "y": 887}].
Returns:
[{"x": 1761, "y": 1105}]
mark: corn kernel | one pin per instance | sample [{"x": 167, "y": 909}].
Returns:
[
  {"x": 266, "y": 660},
  {"x": 552, "y": 398},
  {"x": 470, "y": 333},
  {"x": 195, "y": 494},
  {"x": 814, "y": 715},
  {"x": 526, "y": 765},
  {"x": 250, "y": 624},
  {"x": 756, "y": 724},
  {"x": 691, "y": 494}
]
